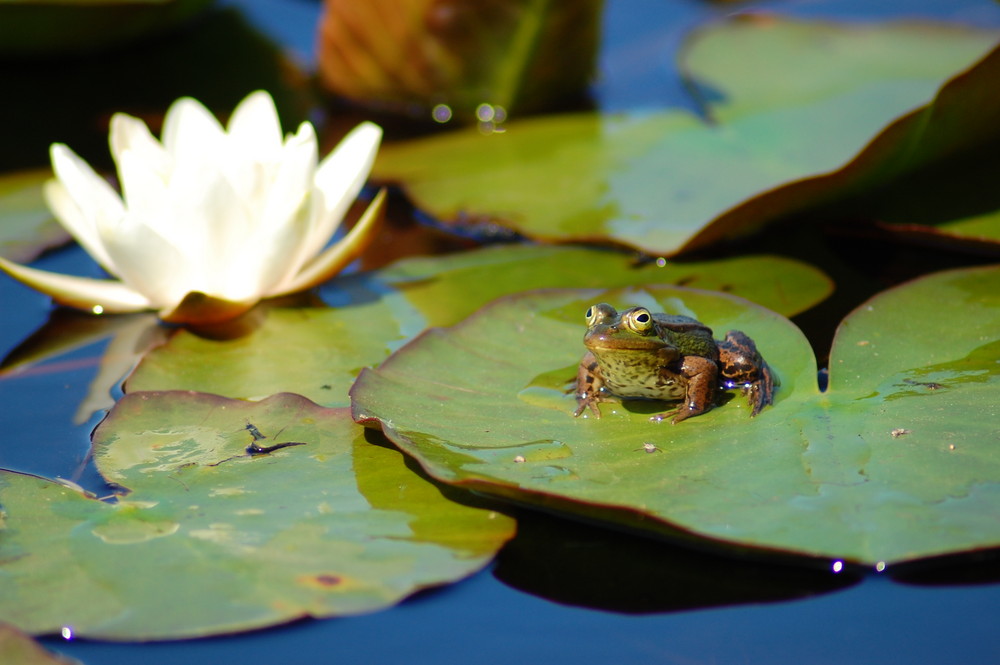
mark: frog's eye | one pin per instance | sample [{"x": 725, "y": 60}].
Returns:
[
  {"x": 639, "y": 320},
  {"x": 600, "y": 313}
]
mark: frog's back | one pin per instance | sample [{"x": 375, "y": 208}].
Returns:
[{"x": 690, "y": 336}]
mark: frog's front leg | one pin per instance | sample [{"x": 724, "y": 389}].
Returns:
[
  {"x": 702, "y": 376},
  {"x": 588, "y": 385},
  {"x": 743, "y": 367}
]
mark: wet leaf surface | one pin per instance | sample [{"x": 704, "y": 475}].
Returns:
[
  {"x": 795, "y": 114},
  {"x": 894, "y": 462},
  {"x": 238, "y": 515},
  {"x": 318, "y": 352}
]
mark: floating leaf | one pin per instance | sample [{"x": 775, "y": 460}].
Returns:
[
  {"x": 894, "y": 462},
  {"x": 791, "y": 108},
  {"x": 212, "y": 538},
  {"x": 318, "y": 352},
  {"x": 27, "y": 228}
]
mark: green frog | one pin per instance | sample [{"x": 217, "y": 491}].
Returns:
[{"x": 639, "y": 354}]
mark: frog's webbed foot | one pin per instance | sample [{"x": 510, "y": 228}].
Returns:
[
  {"x": 742, "y": 366},
  {"x": 589, "y": 401}
]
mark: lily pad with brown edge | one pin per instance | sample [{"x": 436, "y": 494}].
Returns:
[
  {"x": 27, "y": 228},
  {"x": 796, "y": 114},
  {"x": 234, "y": 515},
  {"x": 894, "y": 462},
  {"x": 318, "y": 352}
]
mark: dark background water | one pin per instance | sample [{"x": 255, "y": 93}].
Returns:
[{"x": 560, "y": 592}]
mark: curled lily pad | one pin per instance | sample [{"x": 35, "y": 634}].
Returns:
[
  {"x": 237, "y": 515},
  {"x": 318, "y": 352},
  {"x": 796, "y": 114},
  {"x": 893, "y": 463}
]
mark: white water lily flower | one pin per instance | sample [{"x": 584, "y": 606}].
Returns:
[{"x": 210, "y": 221}]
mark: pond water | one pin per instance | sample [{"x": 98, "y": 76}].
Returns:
[{"x": 559, "y": 593}]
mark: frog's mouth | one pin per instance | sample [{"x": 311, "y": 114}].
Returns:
[{"x": 609, "y": 341}]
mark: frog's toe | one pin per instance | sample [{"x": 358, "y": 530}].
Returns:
[
  {"x": 588, "y": 402},
  {"x": 760, "y": 393}
]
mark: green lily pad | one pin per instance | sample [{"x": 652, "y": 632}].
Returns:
[
  {"x": 894, "y": 462},
  {"x": 791, "y": 107},
  {"x": 27, "y": 228},
  {"x": 213, "y": 539},
  {"x": 318, "y": 352},
  {"x": 17, "y": 648}
]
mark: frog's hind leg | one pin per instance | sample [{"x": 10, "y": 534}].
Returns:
[
  {"x": 742, "y": 366},
  {"x": 702, "y": 378}
]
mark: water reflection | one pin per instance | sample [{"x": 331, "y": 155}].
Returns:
[{"x": 574, "y": 564}]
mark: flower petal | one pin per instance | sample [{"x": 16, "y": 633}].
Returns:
[
  {"x": 337, "y": 257},
  {"x": 81, "y": 200},
  {"x": 339, "y": 178},
  {"x": 254, "y": 129},
  {"x": 131, "y": 135},
  {"x": 190, "y": 132},
  {"x": 79, "y": 292},
  {"x": 286, "y": 215},
  {"x": 150, "y": 263}
]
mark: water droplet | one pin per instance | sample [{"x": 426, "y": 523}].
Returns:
[{"x": 441, "y": 113}]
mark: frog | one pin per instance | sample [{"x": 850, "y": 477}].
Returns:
[{"x": 639, "y": 354}]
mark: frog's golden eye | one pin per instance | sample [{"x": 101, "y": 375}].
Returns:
[
  {"x": 600, "y": 313},
  {"x": 639, "y": 320}
]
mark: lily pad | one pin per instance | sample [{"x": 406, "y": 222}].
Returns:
[
  {"x": 894, "y": 462},
  {"x": 27, "y": 228},
  {"x": 211, "y": 538},
  {"x": 318, "y": 352},
  {"x": 789, "y": 110}
]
